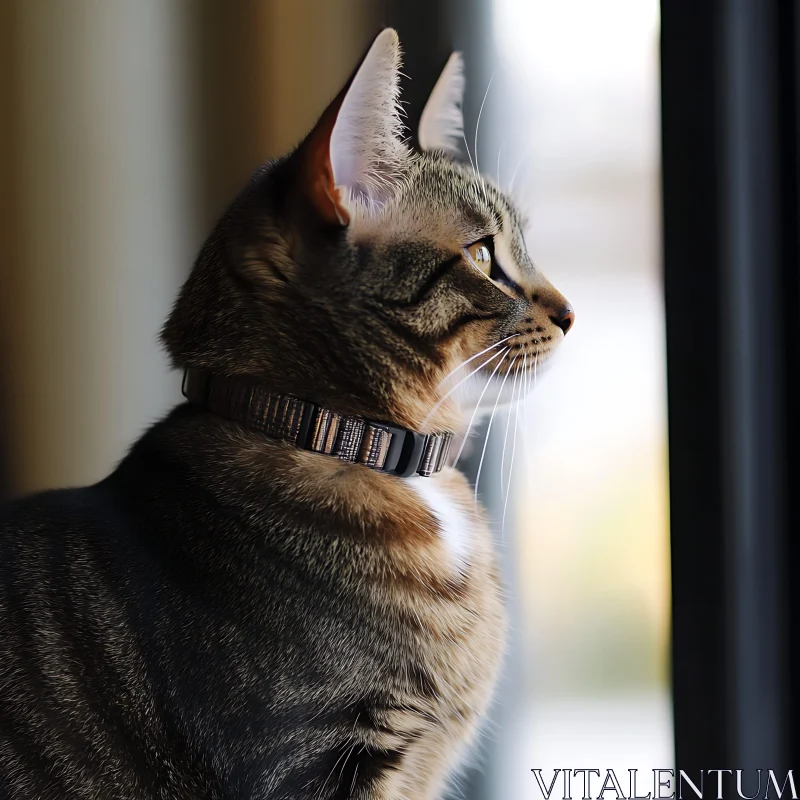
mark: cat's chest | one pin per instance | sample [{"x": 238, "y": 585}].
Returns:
[{"x": 458, "y": 527}]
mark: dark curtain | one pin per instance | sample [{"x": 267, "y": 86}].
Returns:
[{"x": 729, "y": 117}]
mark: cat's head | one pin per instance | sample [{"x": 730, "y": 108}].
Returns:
[{"x": 359, "y": 274}]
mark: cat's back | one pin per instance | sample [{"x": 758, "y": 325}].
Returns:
[
  {"x": 57, "y": 544},
  {"x": 51, "y": 513},
  {"x": 48, "y": 597},
  {"x": 80, "y": 714},
  {"x": 40, "y": 533}
]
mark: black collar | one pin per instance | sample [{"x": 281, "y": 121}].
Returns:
[{"x": 376, "y": 445}]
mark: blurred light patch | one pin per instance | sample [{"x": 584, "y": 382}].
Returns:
[{"x": 576, "y": 130}]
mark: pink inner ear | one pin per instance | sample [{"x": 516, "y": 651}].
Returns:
[
  {"x": 319, "y": 183},
  {"x": 357, "y": 141}
]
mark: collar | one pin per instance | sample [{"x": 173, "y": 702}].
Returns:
[{"x": 377, "y": 445}]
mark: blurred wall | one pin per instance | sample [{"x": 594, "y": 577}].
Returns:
[{"x": 127, "y": 127}]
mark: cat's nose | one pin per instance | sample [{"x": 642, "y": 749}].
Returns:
[{"x": 564, "y": 318}]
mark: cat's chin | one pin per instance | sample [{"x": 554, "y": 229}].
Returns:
[{"x": 501, "y": 392}]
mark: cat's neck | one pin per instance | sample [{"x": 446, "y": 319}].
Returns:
[{"x": 375, "y": 444}]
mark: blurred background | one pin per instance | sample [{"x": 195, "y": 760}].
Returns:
[
  {"x": 590, "y": 542},
  {"x": 129, "y": 124}
]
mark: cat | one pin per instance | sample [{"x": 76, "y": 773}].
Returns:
[{"x": 283, "y": 591}]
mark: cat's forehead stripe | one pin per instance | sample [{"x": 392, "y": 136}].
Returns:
[
  {"x": 481, "y": 196},
  {"x": 443, "y": 202}
]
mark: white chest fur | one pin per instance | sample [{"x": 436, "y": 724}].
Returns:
[{"x": 454, "y": 522}]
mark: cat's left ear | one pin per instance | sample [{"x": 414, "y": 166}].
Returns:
[
  {"x": 441, "y": 126},
  {"x": 355, "y": 153}
]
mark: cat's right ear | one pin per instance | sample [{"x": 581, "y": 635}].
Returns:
[
  {"x": 441, "y": 126},
  {"x": 355, "y": 154}
]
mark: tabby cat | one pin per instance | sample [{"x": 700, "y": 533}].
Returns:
[{"x": 283, "y": 591}]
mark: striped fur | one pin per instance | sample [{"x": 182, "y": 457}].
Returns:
[{"x": 226, "y": 616}]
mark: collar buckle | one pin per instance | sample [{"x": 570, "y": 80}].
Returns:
[{"x": 405, "y": 451}]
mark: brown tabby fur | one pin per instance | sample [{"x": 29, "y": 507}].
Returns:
[{"x": 227, "y": 616}]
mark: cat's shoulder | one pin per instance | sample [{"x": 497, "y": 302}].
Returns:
[{"x": 46, "y": 510}]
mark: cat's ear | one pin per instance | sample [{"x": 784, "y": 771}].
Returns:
[
  {"x": 441, "y": 126},
  {"x": 355, "y": 153}
]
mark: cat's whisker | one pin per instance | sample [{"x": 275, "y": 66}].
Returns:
[
  {"x": 513, "y": 177},
  {"x": 469, "y": 155},
  {"x": 503, "y": 487},
  {"x": 531, "y": 385},
  {"x": 511, "y": 464},
  {"x": 497, "y": 173},
  {"x": 522, "y": 394},
  {"x": 521, "y": 161},
  {"x": 508, "y": 426},
  {"x": 477, "y": 126},
  {"x": 477, "y": 355},
  {"x": 506, "y": 432},
  {"x": 531, "y": 389},
  {"x": 524, "y": 390},
  {"x": 489, "y": 430},
  {"x": 441, "y": 400},
  {"x": 477, "y": 406}
]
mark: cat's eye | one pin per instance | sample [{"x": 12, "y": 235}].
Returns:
[{"x": 480, "y": 256}]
